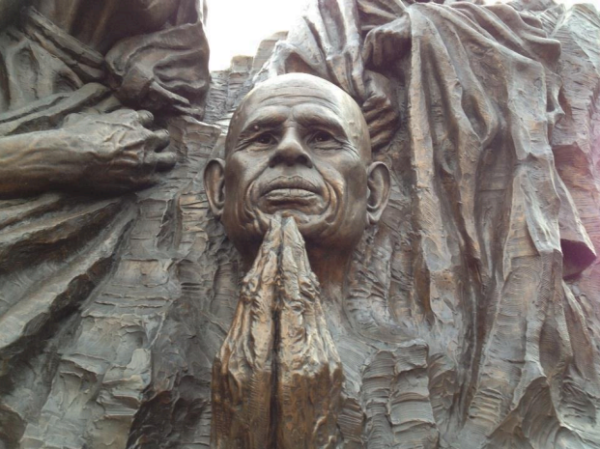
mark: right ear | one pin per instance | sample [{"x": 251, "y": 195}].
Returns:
[{"x": 214, "y": 184}]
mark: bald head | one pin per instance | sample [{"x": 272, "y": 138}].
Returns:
[
  {"x": 298, "y": 146},
  {"x": 265, "y": 103}
]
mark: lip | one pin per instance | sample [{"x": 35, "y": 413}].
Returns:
[
  {"x": 289, "y": 195},
  {"x": 290, "y": 187}
]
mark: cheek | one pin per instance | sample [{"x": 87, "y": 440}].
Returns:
[
  {"x": 356, "y": 210},
  {"x": 354, "y": 213},
  {"x": 356, "y": 181},
  {"x": 241, "y": 171},
  {"x": 350, "y": 179}
]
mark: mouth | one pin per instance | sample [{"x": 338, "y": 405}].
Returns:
[
  {"x": 289, "y": 195},
  {"x": 290, "y": 190},
  {"x": 293, "y": 185}
]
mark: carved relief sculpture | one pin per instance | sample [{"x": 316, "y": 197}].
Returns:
[
  {"x": 77, "y": 81},
  {"x": 383, "y": 234},
  {"x": 297, "y": 169}
]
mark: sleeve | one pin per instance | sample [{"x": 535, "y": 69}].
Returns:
[{"x": 167, "y": 69}]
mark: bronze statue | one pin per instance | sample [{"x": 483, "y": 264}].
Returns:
[
  {"x": 77, "y": 81},
  {"x": 297, "y": 169},
  {"x": 487, "y": 252},
  {"x": 405, "y": 260}
]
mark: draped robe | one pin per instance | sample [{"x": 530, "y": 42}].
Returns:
[
  {"x": 483, "y": 271},
  {"x": 58, "y": 248}
]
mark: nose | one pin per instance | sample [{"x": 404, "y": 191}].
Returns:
[{"x": 290, "y": 151}]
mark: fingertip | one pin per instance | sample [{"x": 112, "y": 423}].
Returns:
[
  {"x": 146, "y": 118},
  {"x": 272, "y": 237},
  {"x": 275, "y": 223},
  {"x": 290, "y": 227},
  {"x": 165, "y": 161},
  {"x": 163, "y": 139}
]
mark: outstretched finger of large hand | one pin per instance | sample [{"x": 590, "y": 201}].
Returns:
[
  {"x": 161, "y": 161},
  {"x": 157, "y": 140},
  {"x": 146, "y": 118}
]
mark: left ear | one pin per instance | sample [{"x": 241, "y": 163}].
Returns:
[
  {"x": 379, "y": 182},
  {"x": 214, "y": 184}
]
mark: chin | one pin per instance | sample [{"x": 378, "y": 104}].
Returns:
[
  {"x": 303, "y": 214},
  {"x": 316, "y": 228}
]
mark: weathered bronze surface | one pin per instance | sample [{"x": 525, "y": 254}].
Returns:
[
  {"x": 78, "y": 283},
  {"x": 284, "y": 305},
  {"x": 298, "y": 172}
]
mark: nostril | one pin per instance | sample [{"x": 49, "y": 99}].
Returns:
[
  {"x": 304, "y": 160},
  {"x": 289, "y": 155},
  {"x": 274, "y": 161}
]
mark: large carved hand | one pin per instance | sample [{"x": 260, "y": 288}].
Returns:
[
  {"x": 385, "y": 45},
  {"x": 379, "y": 110},
  {"x": 102, "y": 153},
  {"x": 117, "y": 152},
  {"x": 277, "y": 380}
]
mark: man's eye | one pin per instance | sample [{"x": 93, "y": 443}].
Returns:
[
  {"x": 265, "y": 139},
  {"x": 322, "y": 137}
]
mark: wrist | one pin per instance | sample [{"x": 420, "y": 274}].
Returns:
[{"x": 67, "y": 156}]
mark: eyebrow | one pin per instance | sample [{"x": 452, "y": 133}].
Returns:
[
  {"x": 324, "y": 119},
  {"x": 327, "y": 120},
  {"x": 262, "y": 122}
]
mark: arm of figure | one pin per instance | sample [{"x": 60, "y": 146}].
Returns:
[
  {"x": 337, "y": 53},
  {"x": 166, "y": 69},
  {"x": 314, "y": 46},
  {"x": 107, "y": 153}
]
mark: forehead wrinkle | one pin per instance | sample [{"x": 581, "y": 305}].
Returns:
[
  {"x": 238, "y": 127},
  {"x": 292, "y": 93},
  {"x": 307, "y": 116},
  {"x": 294, "y": 100}
]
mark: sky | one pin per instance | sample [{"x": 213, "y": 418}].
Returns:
[{"x": 236, "y": 27}]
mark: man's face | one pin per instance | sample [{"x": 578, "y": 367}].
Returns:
[{"x": 297, "y": 148}]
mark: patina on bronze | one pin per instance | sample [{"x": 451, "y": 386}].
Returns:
[
  {"x": 297, "y": 176},
  {"x": 468, "y": 316},
  {"x": 88, "y": 91}
]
